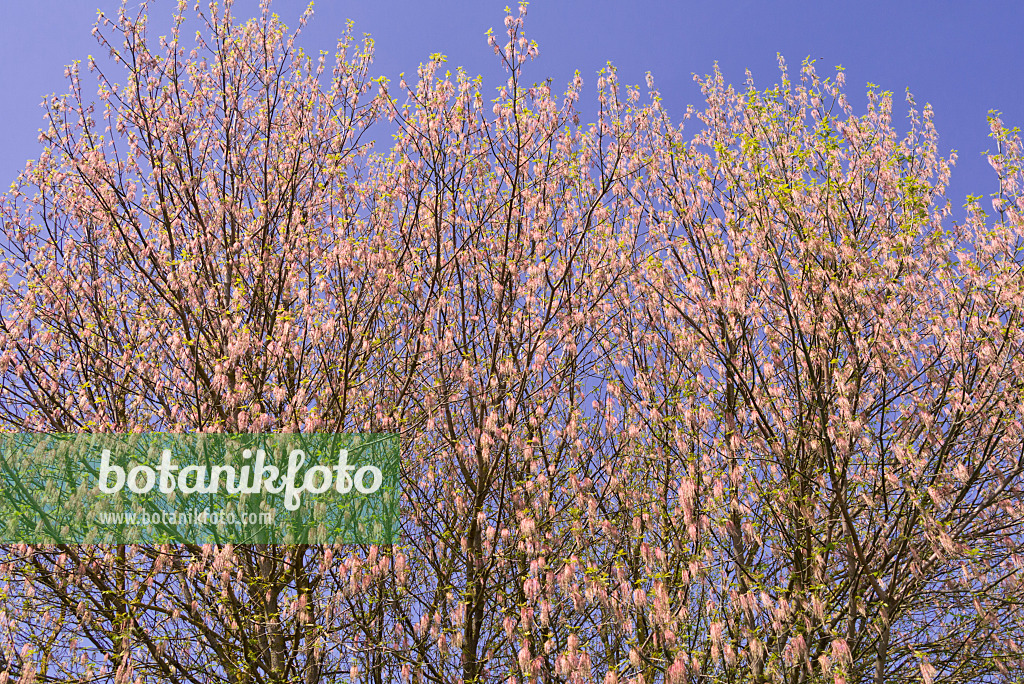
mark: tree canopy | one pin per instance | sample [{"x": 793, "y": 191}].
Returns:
[{"x": 729, "y": 398}]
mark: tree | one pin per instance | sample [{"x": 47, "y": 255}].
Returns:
[{"x": 741, "y": 405}]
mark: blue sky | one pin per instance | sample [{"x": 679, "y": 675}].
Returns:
[{"x": 965, "y": 58}]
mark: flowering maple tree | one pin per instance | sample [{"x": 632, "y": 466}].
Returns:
[{"x": 738, "y": 404}]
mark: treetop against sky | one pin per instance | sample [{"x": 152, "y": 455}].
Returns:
[
  {"x": 718, "y": 394},
  {"x": 963, "y": 58}
]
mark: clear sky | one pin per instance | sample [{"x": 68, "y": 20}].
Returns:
[{"x": 965, "y": 57}]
